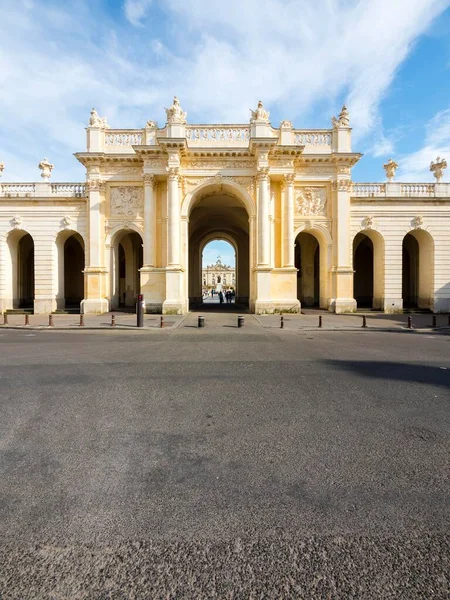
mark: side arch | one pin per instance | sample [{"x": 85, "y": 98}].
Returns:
[
  {"x": 19, "y": 282},
  {"x": 323, "y": 237},
  {"x": 369, "y": 268},
  {"x": 418, "y": 265}
]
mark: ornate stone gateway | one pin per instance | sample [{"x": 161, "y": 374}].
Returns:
[{"x": 283, "y": 197}]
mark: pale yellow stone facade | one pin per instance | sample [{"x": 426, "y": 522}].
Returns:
[{"x": 303, "y": 233}]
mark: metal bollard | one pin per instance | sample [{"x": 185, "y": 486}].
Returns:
[
  {"x": 410, "y": 322},
  {"x": 449, "y": 320},
  {"x": 27, "y": 319},
  {"x": 320, "y": 320},
  {"x": 434, "y": 322},
  {"x": 50, "y": 320},
  {"x": 113, "y": 320},
  {"x": 364, "y": 322},
  {"x": 140, "y": 311},
  {"x": 281, "y": 322},
  {"x": 5, "y": 319},
  {"x": 201, "y": 321},
  {"x": 161, "y": 322},
  {"x": 240, "y": 321},
  {"x": 81, "y": 320}
]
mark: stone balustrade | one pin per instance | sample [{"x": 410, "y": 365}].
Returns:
[
  {"x": 214, "y": 135},
  {"x": 396, "y": 189},
  {"x": 313, "y": 137},
  {"x": 122, "y": 140},
  {"x": 42, "y": 190}
]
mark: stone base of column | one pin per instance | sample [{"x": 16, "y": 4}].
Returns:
[
  {"x": 276, "y": 291},
  {"x": 94, "y": 306},
  {"x": 342, "y": 305},
  {"x": 276, "y": 306},
  {"x": 44, "y": 305},
  {"x": 153, "y": 288},
  {"x": 175, "y": 303},
  {"x": 392, "y": 305}
]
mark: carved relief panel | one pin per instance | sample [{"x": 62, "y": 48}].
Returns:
[
  {"x": 311, "y": 201},
  {"x": 127, "y": 201}
]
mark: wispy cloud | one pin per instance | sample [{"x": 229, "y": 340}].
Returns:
[
  {"x": 416, "y": 166},
  {"x": 136, "y": 10},
  {"x": 218, "y": 57}
]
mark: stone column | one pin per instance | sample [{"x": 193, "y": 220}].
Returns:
[
  {"x": 288, "y": 221},
  {"x": 263, "y": 217},
  {"x": 173, "y": 213},
  {"x": 95, "y": 301},
  {"x": 149, "y": 220},
  {"x": 342, "y": 270}
]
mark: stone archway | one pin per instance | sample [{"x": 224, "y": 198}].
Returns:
[
  {"x": 70, "y": 267},
  {"x": 313, "y": 260},
  {"x": 418, "y": 270},
  {"x": 20, "y": 278},
  {"x": 368, "y": 267},
  {"x": 126, "y": 262},
  {"x": 219, "y": 211}
]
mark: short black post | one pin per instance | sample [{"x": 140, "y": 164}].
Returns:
[
  {"x": 240, "y": 322},
  {"x": 448, "y": 320},
  {"x": 113, "y": 320},
  {"x": 27, "y": 319},
  {"x": 140, "y": 311},
  {"x": 5, "y": 319},
  {"x": 281, "y": 322},
  {"x": 81, "y": 320},
  {"x": 434, "y": 322},
  {"x": 201, "y": 321},
  {"x": 320, "y": 320},
  {"x": 364, "y": 322},
  {"x": 161, "y": 322},
  {"x": 50, "y": 320},
  {"x": 410, "y": 322}
]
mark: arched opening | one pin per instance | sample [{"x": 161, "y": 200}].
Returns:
[
  {"x": 127, "y": 258},
  {"x": 418, "y": 270},
  {"x": 368, "y": 267},
  {"x": 307, "y": 263},
  {"x": 20, "y": 271},
  {"x": 219, "y": 214},
  {"x": 71, "y": 263},
  {"x": 218, "y": 272}
]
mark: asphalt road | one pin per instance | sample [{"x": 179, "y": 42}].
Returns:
[{"x": 224, "y": 463}]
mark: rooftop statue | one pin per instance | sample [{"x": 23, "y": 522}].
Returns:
[
  {"x": 390, "y": 167},
  {"x": 175, "y": 114},
  {"x": 260, "y": 115},
  {"x": 2, "y": 168},
  {"x": 46, "y": 168},
  {"x": 343, "y": 119},
  {"x": 438, "y": 167},
  {"x": 96, "y": 121}
]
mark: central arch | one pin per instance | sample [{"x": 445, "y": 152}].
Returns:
[{"x": 219, "y": 210}]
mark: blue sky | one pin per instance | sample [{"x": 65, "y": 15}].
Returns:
[
  {"x": 388, "y": 59},
  {"x": 217, "y": 248}
]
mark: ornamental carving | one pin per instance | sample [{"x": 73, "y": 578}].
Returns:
[
  {"x": 217, "y": 164},
  {"x": 66, "y": 222},
  {"x": 2, "y": 168},
  {"x": 96, "y": 185},
  {"x": 96, "y": 121},
  {"x": 438, "y": 167},
  {"x": 260, "y": 115},
  {"x": 149, "y": 178},
  {"x": 367, "y": 222},
  {"x": 286, "y": 125},
  {"x": 342, "y": 185},
  {"x": 127, "y": 201},
  {"x": 16, "y": 222},
  {"x": 262, "y": 174},
  {"x": 417, "y": 222},
  {"x": 46, "y": 167},
  {"x": 311, "y": 201},
  {"x": 288, "y": 178},
  {"x": 310, "y": 170},
  {"x": 175, "y": 114},
  {"x": 343, "y": 119},
  {"x": 390, "y": 167}
]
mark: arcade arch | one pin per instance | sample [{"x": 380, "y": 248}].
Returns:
[
  {"x": 71, "y": 263},
  {"x": 418, "y": 270},
  {"x": 312, "y": 256},
  {"x": 219, "y": 211},
  {"x": 20, "y": 270},
  {"x": 368, "y": 267},
  {"x": 126, "y": 261}
]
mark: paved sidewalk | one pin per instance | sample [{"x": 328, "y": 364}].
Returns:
[
  {"x": 331, "y": 321},
  {"x": 123, "y": 321}
]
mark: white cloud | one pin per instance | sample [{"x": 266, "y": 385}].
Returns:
[
  {"x": 416, "y": 166},
  {"x": 136, "y": 10},
  {"x": 56, "y": 62}
]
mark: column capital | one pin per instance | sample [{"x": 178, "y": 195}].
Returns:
[
  {"x": 342, "y": 185},
  {"x": 288, "y": 178},
  {"x": 262, "y": 174},
  {"x": 149, "y": 179},
  {"x": 96, "y": 185},
  {"x": 173, "y": 173}
]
